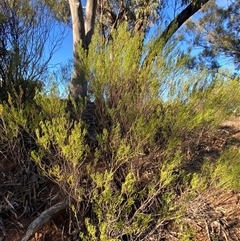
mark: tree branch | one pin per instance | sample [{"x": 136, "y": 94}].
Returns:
[
  {"x": 172, "y": 28},
  {"x": 44, "y": 218}
]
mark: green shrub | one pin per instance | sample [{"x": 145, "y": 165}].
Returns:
[
  {"x": 135, "y": 173},
  {"x": 133, "y": 179},
  {"x": 227, "y": 170}
]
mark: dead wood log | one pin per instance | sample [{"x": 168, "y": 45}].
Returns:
[{"x": 44, "y": 218}]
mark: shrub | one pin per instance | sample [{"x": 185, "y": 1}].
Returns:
[{"x": 127, "y": 186}]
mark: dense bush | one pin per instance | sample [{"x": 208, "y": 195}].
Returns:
[{"x": 128, "y": 185}]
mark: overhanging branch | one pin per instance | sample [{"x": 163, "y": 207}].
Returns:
[{"x": 171, "y": 29}]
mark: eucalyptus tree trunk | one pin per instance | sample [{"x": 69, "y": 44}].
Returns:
[{"x": 83, "y": 28}]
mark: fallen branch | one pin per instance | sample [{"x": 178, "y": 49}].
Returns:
[{"x": 44, "y": 218}]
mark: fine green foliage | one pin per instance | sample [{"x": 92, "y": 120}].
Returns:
[
  {"x": 61, "y": 144},
  {"x": 217, "y": 33},
  {"x": 113, "y": 208},
  {"x": 128, "y": 185},
  {"x": 225, "y": 174}
]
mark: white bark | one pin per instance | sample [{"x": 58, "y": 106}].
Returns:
[
  {"x": 90, "y": 19},
  {"x": 82, "y": 27},
  {"x": 77, "y": 21}
]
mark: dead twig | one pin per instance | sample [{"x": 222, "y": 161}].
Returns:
[
  {"x": 44, "y": 218},
  {"x": 207, "y": 230}
]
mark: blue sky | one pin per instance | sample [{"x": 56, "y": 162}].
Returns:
[{"x": 65, "y": 51}]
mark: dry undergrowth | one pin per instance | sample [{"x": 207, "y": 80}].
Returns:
[
  {"x": 233, "y": 124},
  {"x": 213, "y": 215}
]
